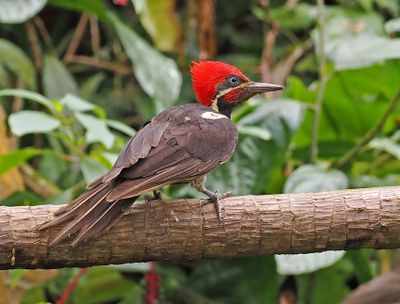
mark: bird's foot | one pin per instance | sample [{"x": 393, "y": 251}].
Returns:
[
  {"x": 156, "y": 196},
  {"x": 215, "y": 198}
]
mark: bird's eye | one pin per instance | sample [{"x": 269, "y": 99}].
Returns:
[{"x": 233, "y": 80}]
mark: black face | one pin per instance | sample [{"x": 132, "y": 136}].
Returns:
[{"x": 229, "y": 82}]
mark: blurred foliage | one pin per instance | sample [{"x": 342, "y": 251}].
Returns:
[{"x": 77, "y": 78}]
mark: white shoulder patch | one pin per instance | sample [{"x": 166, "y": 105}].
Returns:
[{"x": 212, "y": 115}]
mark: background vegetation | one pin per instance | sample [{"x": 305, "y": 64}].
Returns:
[{"x": 77, "y": 78}]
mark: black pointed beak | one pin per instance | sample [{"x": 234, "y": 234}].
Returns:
[{"x": 260, "y": 87}]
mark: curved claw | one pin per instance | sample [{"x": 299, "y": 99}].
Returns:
[{"x": 215, "y": 197}]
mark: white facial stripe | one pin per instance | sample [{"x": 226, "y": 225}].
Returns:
[
  {"x": 222, "y": 93},
  {"x": 212, "y": 115}
]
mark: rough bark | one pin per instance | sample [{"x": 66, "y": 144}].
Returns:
[{"x": 189, "y": 230}]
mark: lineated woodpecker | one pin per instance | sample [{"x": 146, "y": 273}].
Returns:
[{"x": 179, "y": 145}]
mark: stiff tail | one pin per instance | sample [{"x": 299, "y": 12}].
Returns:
[{"x": 90, "y": 214}]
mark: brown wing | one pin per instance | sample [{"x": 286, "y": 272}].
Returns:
[
  {"x": 178, "y": 145},
  {"x": 191, "y": 146}
]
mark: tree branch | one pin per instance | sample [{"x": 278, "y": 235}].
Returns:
[{"x": 189, "y": 230}]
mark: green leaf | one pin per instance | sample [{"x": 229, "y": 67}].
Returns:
[
  {"x": 62, "y": 197},
  {"x": 91, "y": 85},
  {"x": 57, "y": 79},
  {"x": 329, "y": 284},
  {"x": 14, "y": 59},
  {"x": 255, "y": 159},
  {"x": 18, "y": 11},
  {"x": 389, "y": 145},
  {"x": 158, "y": 75},
  {"x": 91, "y": 169},
  {"x": 16, "y": 158},
  {"x": 392, "y": 26},
  {"x": 28, "y": 95},
  {"x": 355, "y": 40},
  {"x": 22, "y": 198},
  {"x": 351, "y": 107},
  {"x": 160, "y": 21},
  {"x": 119, "y": 126},
  {"x": 91, "y": 7},
  {"x": 255, "y": 131},
  {"x": 250, "y": 280},
  {"x": 297, "y": 17},
  {"x": 292, "y": 264},
  {"x": 313, "y": 178},
  {"x": 140, "y": 5},
  {"x": 97, "y": 129},
  {"x": 27, "y": 122},
  {"x": 361, "y": 260},
  {"x": 102, "y": 285},
  {"x": 76, "y": 104},
  {"x": 364, "y": 51}
]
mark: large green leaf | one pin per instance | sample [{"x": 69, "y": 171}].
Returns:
[
  {"x": 312, "y": 178},
  {"x": 158, "y": 75},
  {"x": 392, "y": 26},
  {"x": 361, "y": 261},
  {"x": 18, "y": 11},
  {"x": 14, "y": 59},
  {"x": 102, "y": 284},
  {"x": 28, "y": 95},
  {"x": 91, "y": 7},
  {"x": 355, "y": 40},
  {"x": 57, "y": 79},
  {"x": 91, "y": 169},
  {"x": 292, "y": 264},
  {"x": 249, "y": 280},
  {"x": 390, "y": 145},
  {"x": 352, "y": 104},
  {"x": 16, "y": 158},
  {"x": 76, "y": 104},
  {"x": 160, "y": 21},
  {"x": 28, "y": 122},
  {"x": 329, "y": 285},
  {"x": 119, "y": 126},
  {"x": 297, "y": 17},
  {"x": 255, "y": 158},
  {"x": 96, "y": 129},
  {"x": 364, "y": 51}
]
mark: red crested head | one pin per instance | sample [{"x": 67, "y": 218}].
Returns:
[
  {"x": 208, "y": 75},
  {"x": 224, "y": 84}
]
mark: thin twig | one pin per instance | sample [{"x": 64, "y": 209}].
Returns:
[
  {"x": 43, "y": 32},
  {"x": 35, "y": 45},
  {"x": 38, "y": 184},
  {"x": 269, "y": 42},
  {"x": 370, "y": 134},
  {"x": 94, "y": 35},
  {"x": 323, "y": 80},
  {"x": 71, "y": 286},
  {"x": 76, "y": 38},
  {"x": 105, "y": 65}
]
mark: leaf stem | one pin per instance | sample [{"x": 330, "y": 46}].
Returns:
[
  {"x": 323, "y": 80},
  {"x": 370, "y": 134}
]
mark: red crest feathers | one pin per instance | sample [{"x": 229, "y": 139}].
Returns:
[{"x": 207, "y": 75}]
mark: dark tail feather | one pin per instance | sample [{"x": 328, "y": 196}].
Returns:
[
  {"x": 104, "y": 221},
  {"x": 91, "y": 214},
  {"x": 70, "y": 210}
]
